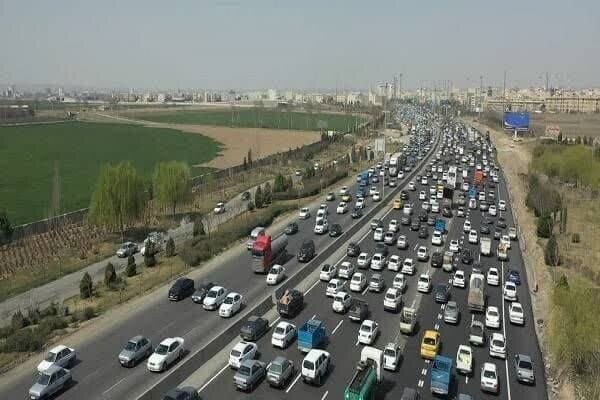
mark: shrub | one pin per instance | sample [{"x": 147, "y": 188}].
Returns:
[
  {"x": 552, "y": 252},
  {"x": 130, "y": 270},
  {"x": 24, "y": 340},
  {"x": 110, "y": 276},
  {"x": 250, "y": 206},
  {"x": 85, "y": 286},
  {"x": 18, "y": 321},
  {"x": 170, "y": 247},
  {"x": 149, "y": 255},
  {"x": 6, "y": 331},
  {"x": 544, "y": 226},
  {"x": 89, "y": 313},
  {"x": 258, "y": 197},
  {"x": 575, "y": 238},
  {"x": 50, "y": 324},
  {"x": 198, "y": 227}
]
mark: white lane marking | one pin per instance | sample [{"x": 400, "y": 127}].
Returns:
[
  {"x": 325, "y": 395},
  {"x": 114, "y": 386},
  {"x": 365, "y": 291},
  {"x": 293, "y": 383},
  {"x": 504, "y": 331},
  {"x": 424, "y": 371},
  {"x": 436, "y": 327},
  {"x": 415, "y": 248},
  {"x": 314, "y": 316},
  {"x": 311, "y": 288},
  {"x": 439, "y": 316},
  {"x": 213, "y": 378},
  {"x": 274, "y": 322},
  {"x": 466, "y": 379},
  {"x": 337, "y": 327},
  {"x": 356, "y": 344},
  {"x": 421, "y": 383}
]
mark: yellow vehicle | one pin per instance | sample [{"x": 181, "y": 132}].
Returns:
[
  {"x": 347, "y": 197},
  {"x": 398, "y": 204},
  {"x": 430, "y": 345}
]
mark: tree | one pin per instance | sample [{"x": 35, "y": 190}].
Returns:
[
  {"x": 559, "y": 139},
  {"x": 149, "y": 255},
  {"x": 544, "y": 226},
  {"x": 110, "y": 276},
  {"x": 198, "y": 227},
  {"x": 6, "y": 228},
  {"x": 249, "y": 158},
  {"x": 372, "y": 155},
  {"x": 258, "y": 197},
  {"x": 85, "y": 286},
  {"x": 563, "y": 220},
  {"x": 552, "y": 253},
  {"x": 245, "y": 164},
  {"x": 171, "y": 183},
  {"x": 170, "y": 247},
  {"x": 118, "y": 198},
  {"x": 267, "y": 193},
  {"x": 131, "y": 268}
]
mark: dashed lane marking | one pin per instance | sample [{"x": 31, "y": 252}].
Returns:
[
  {"x": 337, "y": 327},
  {"x": 325, "y": 395},
  {"x": 437, "y": 327},
  {"x": 293, "y": 383},
  {"x": 424, "y": 371},
  {"x": 213, "y": 378}
]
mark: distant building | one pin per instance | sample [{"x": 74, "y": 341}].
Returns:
[{"x": 562, "y": 104}]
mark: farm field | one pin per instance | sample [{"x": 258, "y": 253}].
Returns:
[
  {"x": 571, "y": 125},
  {"x": 252, "y": 118},
  {"x": 28, "y": 154}
]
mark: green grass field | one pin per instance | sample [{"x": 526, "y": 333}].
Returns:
[
  {"x": 28, "y": 155},
  {"x": 252, "y": 118}
]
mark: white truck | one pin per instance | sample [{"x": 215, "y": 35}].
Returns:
[
  {"x": 485, "y": 246},
  {"x": 476, "y": 297},
  {"x": 502, "y": 251},
  {"x": 464, "y": 359},
  {"x": 447, "y": 261},
  {"x": 408, "y": 320}
]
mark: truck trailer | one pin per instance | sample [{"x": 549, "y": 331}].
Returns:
[
  {"x": 367, "y": 376},
  {"x": 476, "y": 297},
  {"x": 267, "y": 251}
]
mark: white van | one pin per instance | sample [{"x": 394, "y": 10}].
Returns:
[{"x": 315, "y": 366}]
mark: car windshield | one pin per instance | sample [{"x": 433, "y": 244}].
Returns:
[
  {"x": 229, "y": 300},
  {"x": 43, "y": 379},
  {"x": 51, "y": 357},
  {"x": 244, "y": 370},
  {"x": 390, "y": 295},
  {"x": 517, "y": 309},
  {"x": 525, "y": 365},
  {"x": 424, "y": 279},
  {"x": 450, "y": 307},
  {"x": 280, "y": 330},
  {"x": 130, "y": 345},
  {"x": 235, "y": 353},
  {"x": 162, "y": 349},
  {"x": 308, "y": 365},
  {"x": 498, "y": 343},
  {"x": 276, "y": 368},
  {"x": 211, "y": 294},
  {"x": 365, "y": 329},
  {"x": 464, "y": 352},
  {"x": 489, "y": 374},
  {"x": 429, "y": 341},
  {"x": 389, "y": 352}
]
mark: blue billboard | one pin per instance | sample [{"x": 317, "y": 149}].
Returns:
[{"x": 516, "y": 121}]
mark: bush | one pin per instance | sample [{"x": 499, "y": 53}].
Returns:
[
  {"x": 50, "y": 324},
  {"x": 170, "y": 247},
  {"x": 552, "y": 252},
  {"x": 258, "y": 197},
  {"x": 575, "y": 238},
  {"x": 198, "y": 227},
  {"x": 544, "y": 226},
  {"x": 89, "y": 313},
  {"x": 18, "y": 321},
  {"x": 250, "y": 206},
  {"x": 86, "y": 286},
  {"x": 110, "y": 276},
  {"x": 23, "y": 341},
  {"x": 6, "y": 331},
  {"x": 130, "y": 270}
]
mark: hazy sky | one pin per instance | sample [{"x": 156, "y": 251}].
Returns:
[{"x": 301, "y": 43}]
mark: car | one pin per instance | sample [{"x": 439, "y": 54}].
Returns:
[
  {"x": 466, "y": 256},
  {"x": 127, "y": 249},
  {"x": 436, "y": 238},
  {"x": 408, "y": 266},
  {"x": 219, "y": 208},
  {"x": 182, "y": 288},
  {"x": 334, "y": 286},
  {"x": 501, "y": 205},
  {"x": 399, "y": 282},
  {"x": 335, "y": 230},
  {"x": 493, "y": 276},
  {"x": 291, "y": 229},
  {"x": 376, "y": 223},
  {"x": 393, "y": 182},
  {"x": 398, "y": 204},
  {"x": 422, "y": 195},
  {"x": 347, "y": 197},
  {"x": 458, "y": 279},
  {"x": 346, "y": 270},
  {"x": 492, "y": 210},
  {"x": 182, "y": 393},
  {"x": 359, "y": 310},
  {"x": 424, "y": 283},
  {"x": 489, "y": 378},
  {"x": 510, "y": 291},
  {"x": 50, "y": 381},
  {"x": 492, "y": 317},
  {"x": 231, "y": 305},
  {"x": 283, "y": 335},
  {"x": 330, "y": 196},
  {"x": 422, "y": 253},
  {"x": 321, "y": 226},
  {"x": 394, "y": 263},
  {"x": 451, "y": 313},
  {"x": 343, "y": 190},
  {"x": 447, "y": 212},
  {"x": 60, "y": 356},
  {"x": 342, "y": 301},
  {"x": 363, "y": 261},
  {"x": 415, "y": 226},
  {"x": 484, "y": 229},
  {"x": 460, "y": 212},
  {"x": 483, "y": 206},
  {"x": 358, "y": 283},
  {"x": 253, "y": 328},
  {"x": 514, "y": 276},
  {"x": 402, "y": 242},
  {"x": 378, "y": 261},
  {"x": 476, "y": 333},
  {"x": 280, "y": 372},
  {"x": 389, "y": 238},
  {"x": 423, "y": 232},
  {"x": 454, "y": 246},
  {"x": 376, "y": 283},
  {"x": 467, "y": 226},
  {"x": 353, "y": 249},
  {"x": 328, "y": 272},
  {"x": 430, "y": 344},
  {"x": 249, "y": 375},
  {"x": 473, "y": 236},
  {"x": 425, "y": 206},
  {"x": 515, "y": 313},
  {"x": 497, "y": 234},
  {"x": 378, "y": 235},
  {"x": 441, "y": 293},
  {"x": 372, "y": 190},
  {"x": 512, "y": 233},
  {"x": 201, "y": 291},
  {"x": 214, "y": 298},
  {"x": 356, "y": 213},
  {"x": 393, "y": 226},
  {"x": 498, "y": 346},
  {"x": 136, "y": 349},
  {"x": 342, "y": 208},
  {"x": 524, "y": 369},
  {"x": 368, "y": 332},
  {"x": 169, "y": 351},
  {"x": 392, "y": 300},
  {"x": 315, "y": 366},
  {"x": 376, "y": 196},
  {"x": 304, "y": 213},
  {"x": 241, "y": 352},
  {"x": 360, "y": 203},
  {"x": 411, "y": 186}
]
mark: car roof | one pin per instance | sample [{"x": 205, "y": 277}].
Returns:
[
  {"x": 136, "y": 338},
  {"x": 168, "y": 341},
  {"x": 313, "y": 354},
  {"x": 241, "y": 344},
  {"x": 58, "y": 348},
  {"x": 52, "y": 369},
  {"x": 279, "y": 360}
]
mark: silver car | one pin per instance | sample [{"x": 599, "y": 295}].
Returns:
[
  {"x": 136, "y": 349},
  {"x": 127, "y": 249},
  {"x": 249, "y": 375},
  {"x": 524, "y": 369},
  {"x": 50, "y": 381},
  {"x": 451, "y": 313}
]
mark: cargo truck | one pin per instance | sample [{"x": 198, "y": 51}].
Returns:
[
  {"x": 364, "y": 179},
  {"x": 266, "y": 252},
  {"x": 441, "y": 374},
  {"x": 367, "y": 375},
  {"x": 408, "y": 320},
  {"x": 476, "y": 297},
  {"x": 311, "y": 335},
  {"x": 479, "y": 178},
  {"x": 447, "y": 261},
  {"x": 440, "y": 225},
  {"x": 502, "y": 251},
  {"x": 485, "y": 246}
]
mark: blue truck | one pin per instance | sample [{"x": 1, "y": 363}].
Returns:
[
  {"x": 364, "y": 179},
  {"x": 311, "y": 335},
  {"x": 440, "y": 225},
  {"x": 361, "y": 192},
  {"x": 441, "y": 374}
]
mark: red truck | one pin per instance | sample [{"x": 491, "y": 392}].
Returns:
[
  {"x": 267, "y": 251},
  {"x": 479, "y": 178}
]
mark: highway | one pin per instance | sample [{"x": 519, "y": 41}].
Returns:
[
  {"x": 98, "y": 374},
  {"x": 414, "y": 372}
]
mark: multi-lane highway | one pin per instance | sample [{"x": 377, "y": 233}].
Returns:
[{"x": 414, "y": 371}]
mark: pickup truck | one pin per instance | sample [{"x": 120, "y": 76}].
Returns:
[
  {"x": 464, "y": 359},
  {"x": 440, "y": 225},
  {"x": 310, "y": 335},
  {"x": 441, "y": 374},
  {"x": 359, "y": 310},
  {"x": 502, "y": 251},
  {"x": 408, "y": 320}
]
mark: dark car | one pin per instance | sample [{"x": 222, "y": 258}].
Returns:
[
  {"x": 356, "y": 213},
  {"x": 353, "y": 250},
  {"x": 406, "y": 220},
  {"x": 382, "y": 249},
  {"x": 359, "y": 310},
  {"x": 466, "y": 256},
  {"x": 404, "y": 195},
  {"x": 254, "y": 328},
  {"x": 514, "y": 277},
  {"x": 447, "y": 212},
  {"x": 501, "y": 224},
  {"x": 410, "y": 394},
  {"x": 280, "y": 371},
  {"x": 291, "y": 228},
  {"x": 497, "y": 234},
  {"x": 423, "y": 216},
  {"x": 182, "y": 288},
  {"x": 441, "y": 293},
  {"x": 431, "y": 220},
  {"x": 437, "y": 259},
  {"x": 201, "y": 291},
  {"x": 376, "y": 223},
  {"x": 183, "y": 393},
  {"x": 335, "y": 230},
  {"x": 415, "y": 226},
  {"x": 307, "y": 251},
  {"x": 484, "y": 229},
  {"x": 423, "y": 233}
]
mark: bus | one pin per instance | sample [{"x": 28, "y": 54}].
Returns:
[{"x": 451, "y": 181}]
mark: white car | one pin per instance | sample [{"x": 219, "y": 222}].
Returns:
[
  {"x": 378, "y": 262},
  {"x": 437, "y": 238},
  {"x": 231, "y": 305},
  {"x": 432, "y": 190},
  {"x": 344, "y": 190},
  {"x": 464, "y": 359},
  {"x": 166, "y": 353},
  {"x": 342, "y": 208},
  {"x": 467, "y": 226},
  {"x": 360, "y": 203},
  {"x": 241, "y": 352},
  {"x": 472, "y": 204},
  {"x": 341, "y": 301},
  {"x": 394, "y": 263},
  {"x": 321, "y": 226},
  {"x": 402, "y": 242},
  {"x": 425, "y": 206},
  {"x": 424, "y": 283},
  {"x": 321, "y": 215},
  {"x": 219, "y": 208},
  {"x": 214, "y": 298},
  {"x": 372, "y": 190},
  {"x": 304, "y": 213},
  {"x": 515, "y": 313},
  {"x": 61, "y": 356},
  {"x": 392, "y": 299},
  {"x": 411, "y": 185},
  {"x": 378, "y": 235},
  {"x": 346, "y": 270},
  {"x": 498, "y": 346},
  {"x": 435, "y": 207},
  {"x": 393, "y": 226},
  {"x": 400, "y": 175},
  {"x": 440, "y": 194},
  {"x": 389, "y": 238},
  {"x": 368, "y": 332},
  {"x": 465, "y": 186},
  {"x": 334, "y": 286},
  {"x": 481, "y": 196},
  {"x": 407, "y": 209},
  {"x": 422, "y": 253},
  {"x": 283, "y": 334},
  {"x": 424, "y": 180},
  {"x": 328, "y": 272},
  {"x": 276, "y": 274},
  {"x": 510, "y": 291},
  {"x": 408, "y": 266},
  {"x": 501, "y": 205},
  {"x": 422, "y": 195},
  {"x": 473, "y": 236},
  {"x": 493, "y": 276},
  {"x": 492, "y": 210},
  {"x": 399, "y": 282},
  {"x": 454, "y": 246},
  {"x": 363, "y": 260},
  {"x": 489, "y": 378},
  {"x": 492, "y": 317},
  {"x": 358, "y": 283},
  {"x": 376, "y": 196},
  {"x": 458, "y": 279},
  {"x": 506, "y": 240},
  {"x": 460, "y": 212}
]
